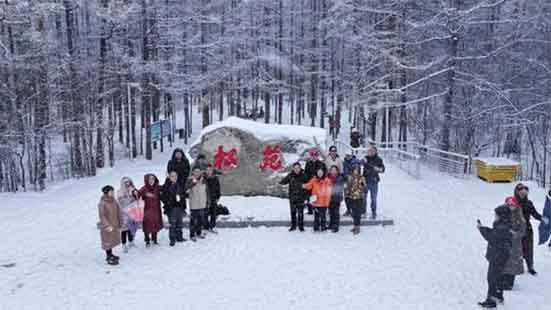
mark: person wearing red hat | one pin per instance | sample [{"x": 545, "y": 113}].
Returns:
[{"x": 515, "y": 263}]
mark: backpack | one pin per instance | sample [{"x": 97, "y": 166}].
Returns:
[{"x": 222, "y": 210}]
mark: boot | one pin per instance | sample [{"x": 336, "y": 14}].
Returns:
[
  {"x": 155, "y": 242},
  {"x": 147, "y": 244},
  {"x": 373, "y": 214},
  {"x": 499, "y": 297},
  {"x": 172, "y": 242},
  {"x": 112, "y": 261},
  {"x": 488, "y": 304},
  {"x": 293, "y": 228},
  {"x": 532, "y": 272},
  {"x": 301, "y": 228}
]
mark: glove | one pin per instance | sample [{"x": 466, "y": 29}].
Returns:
[
  {"x": 545, "y": 220},
  {"x": 109, "y": 228},
  {"x": 313, "y": 198}
]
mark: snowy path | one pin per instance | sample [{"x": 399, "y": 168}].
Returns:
[{"x": 432, "y": 258}]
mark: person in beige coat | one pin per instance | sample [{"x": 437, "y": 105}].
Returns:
[
  {"x": 110, "y": 221},
  {"x": 196, "y": 188}
]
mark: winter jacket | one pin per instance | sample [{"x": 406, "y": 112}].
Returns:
[
  {"x": 151, "y": 194},
  {"x": 181, "y": 167},
  {"x": 355, "y": 138},
  {"x": 369, "y": 172},
  {"x": 337, "y": 187},
  {"x": 348, "y": 165},
  {"x": 528, "y": 210},
  {"x": 355, "y": 187},
  {"x": 197, "y": 191},
  {"x": 545, "y": 229},
  {"x": 330, "y": 162},
  {"x": 109, "y": 216},
  {"x": 499, "y": 239},
  {"x": 321, "y": 188},
  {"x": 168, "y": 196},
  {"x": 213, "y": 189},
  {"x": 297, "y": 194},
  {"x": 515, "y": 263},
  {"x": 127, "y": 199},
  {"x": 312, "y": 167}
]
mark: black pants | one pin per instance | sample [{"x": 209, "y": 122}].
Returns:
[
  {"x": 320, "y": 221},
  {"x": 507, "y": 281},
  {"x": 297, "y": 214},
  {"x": 126, "y": 234},
  {"x": 175, "y": 218},
  {"x": 210, "y": 216},
  {"x": 357, "y": 207},
  {"x": 149, "y": 237},
  {"x": 109, "y": 253},
  {"x": 495, "y": 273},
  {"x": 334, "y": 214},
  {"x": 196, "y": 222},
  {"x": 348, "y": 205},
  {"x": 528, "y": 248}
]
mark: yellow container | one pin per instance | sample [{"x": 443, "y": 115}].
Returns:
[{"x": 496, "y": 169}]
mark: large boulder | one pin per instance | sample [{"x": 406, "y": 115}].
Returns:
[{"x": 249, "y": 143}]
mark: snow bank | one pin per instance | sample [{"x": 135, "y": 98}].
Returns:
[
  {"x": 268, "y": 132},
  {"x": 498, "y": 161}
]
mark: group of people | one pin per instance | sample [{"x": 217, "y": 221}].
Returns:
[
  {"x": 326, "y": 181},
  {"x": 199, "y": 185},
  {"x": 510, "y": 243}
]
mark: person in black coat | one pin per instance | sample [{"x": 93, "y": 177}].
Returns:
[
  {"x": 500, "y": 243},
  {"x": 355, "y": 138},
  {"x": 337, "y": 196},
  {"x": 297, "y": 195},
  {"x": 213, "y": 196},
  {"x": 180, "y": 164},
  {"x": 372, "y": 166},
  {"x": 174, "y": 204},
  {"x": 313, "y": 164},
  {"x": 529, "y": 211}
]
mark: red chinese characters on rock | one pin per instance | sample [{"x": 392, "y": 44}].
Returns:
[
  {"x": 225, "y": 160},
  {"x": 271, "y": 158}
]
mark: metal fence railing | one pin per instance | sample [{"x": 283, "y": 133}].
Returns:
[
  {"x": 406, "y": 161},
  {"x": 411, "y": 156}
]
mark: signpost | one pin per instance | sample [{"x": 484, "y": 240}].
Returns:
[{"x": 161, "y": 129}]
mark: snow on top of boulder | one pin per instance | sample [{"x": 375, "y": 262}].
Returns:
[
  {"x": 498, "y": 161},
  {"x": 267, "y": 132}
]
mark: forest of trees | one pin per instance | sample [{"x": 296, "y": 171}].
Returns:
[{"x": 469, "y": 76}]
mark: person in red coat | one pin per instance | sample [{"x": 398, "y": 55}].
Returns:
[{"x": 152, "y": 219}]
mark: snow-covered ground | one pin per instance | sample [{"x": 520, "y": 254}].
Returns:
[{"x": 432, "y": 258}]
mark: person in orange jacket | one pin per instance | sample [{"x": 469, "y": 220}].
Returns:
[{"x": 320, "y": 186}]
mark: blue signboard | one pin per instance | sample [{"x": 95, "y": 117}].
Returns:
[{"x": 160, "y": 129}]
